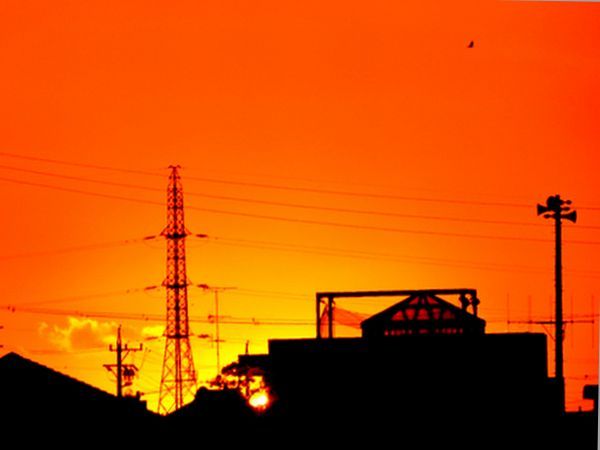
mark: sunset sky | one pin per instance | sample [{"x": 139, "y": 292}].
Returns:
[{"x": 323, "y": 145}]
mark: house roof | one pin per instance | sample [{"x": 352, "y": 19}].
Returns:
[
  {"x": 36, "y": 393},
  {"x": 13, "y": 365},
  {"x": 421, "y": 308}
]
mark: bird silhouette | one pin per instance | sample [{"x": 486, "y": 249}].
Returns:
[{"x": 471, "y": 44}]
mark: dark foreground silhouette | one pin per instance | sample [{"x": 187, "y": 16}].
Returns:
[
  {"x": 423, "y": 375},
  {"x": 41, "y": 405}
]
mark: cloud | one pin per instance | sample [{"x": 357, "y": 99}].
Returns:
[
  {"x": 85, "y": 334},
  {"x": 153, "y": 331},
  {"x": 79, "y": 334}
]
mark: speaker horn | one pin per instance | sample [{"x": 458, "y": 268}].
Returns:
[
  {"x": 572, "y": 216},
  {"x": 541, "y": 209}
]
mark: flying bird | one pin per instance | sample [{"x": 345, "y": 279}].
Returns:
[{"x": 471, "y": 44}]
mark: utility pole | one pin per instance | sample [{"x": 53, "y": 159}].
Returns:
[
  {"x": 123, "y": 372},
  {"x": 556, "y": 208},
  {"x": 178, "y": 380},
  {"x": 216, "y": 290}
]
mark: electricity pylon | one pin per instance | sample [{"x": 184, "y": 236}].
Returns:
[{"x": 178, "y": 381}]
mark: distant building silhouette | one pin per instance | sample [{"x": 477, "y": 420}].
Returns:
[{"x": 423, "y": 370}]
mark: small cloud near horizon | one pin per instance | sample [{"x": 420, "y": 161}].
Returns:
[
  {"x": 86, "y": 334},
  {"x": 79, "y": 334}
]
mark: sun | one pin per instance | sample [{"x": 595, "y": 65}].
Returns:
[{"x": 259, "y": 400}]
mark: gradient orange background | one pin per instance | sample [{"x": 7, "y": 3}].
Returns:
[{"x": 368, "y": 97}]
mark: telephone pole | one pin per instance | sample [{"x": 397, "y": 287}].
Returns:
[
  {"x": 123, "y": 372},
  {"x": 556, "y": 208},
  {"x": 178, "y": 381},
  {"x": 216, "y": 290}
]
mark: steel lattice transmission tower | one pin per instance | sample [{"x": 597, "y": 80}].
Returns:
[{"x": 178, "y": 381}]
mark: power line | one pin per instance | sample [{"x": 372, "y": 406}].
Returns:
[
  {"x": 57, "y": 352},
  {"x": 379, "y": 228},
  {"x": 262, "y": 185},
  {"x": 209, "y": 319},
  {"x": 78, "y": 164},
  {"x": 77, "y": 178},
  {"x": 315, "y": 250},
  {"x": 79, "y": 298},
  {"x": 286, "y": 204},
  {"x": 359, "y": 254},
  {"x": 364, "y": 257},
  {"x": 359, "y": 194},
  {"x": 82, "y": 192},
  {"x": 156, "y": 317},
  {"x": 78, "y": 248},
  {"x": 277, "y": 294},
  {"x": 283, "y": 187},
  {"x": 301, "y": 221}
]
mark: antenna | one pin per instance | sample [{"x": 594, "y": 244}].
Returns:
[{"x": 216, "y": 290}]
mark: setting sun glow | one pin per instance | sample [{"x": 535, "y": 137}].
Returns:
[{"x": 259, "y": 400}]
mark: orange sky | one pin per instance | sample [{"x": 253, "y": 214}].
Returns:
[{"x": 362, "y": 97}]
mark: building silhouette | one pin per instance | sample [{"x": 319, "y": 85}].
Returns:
[
  {"x": 425, "y": 371},
  {"x": 424, "y": 374},
  {"x": 35, "y": 398},
  {"x": 421, "y": 313}
]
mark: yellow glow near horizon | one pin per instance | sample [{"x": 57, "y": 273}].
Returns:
[{"x": 259, "y": 400}]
